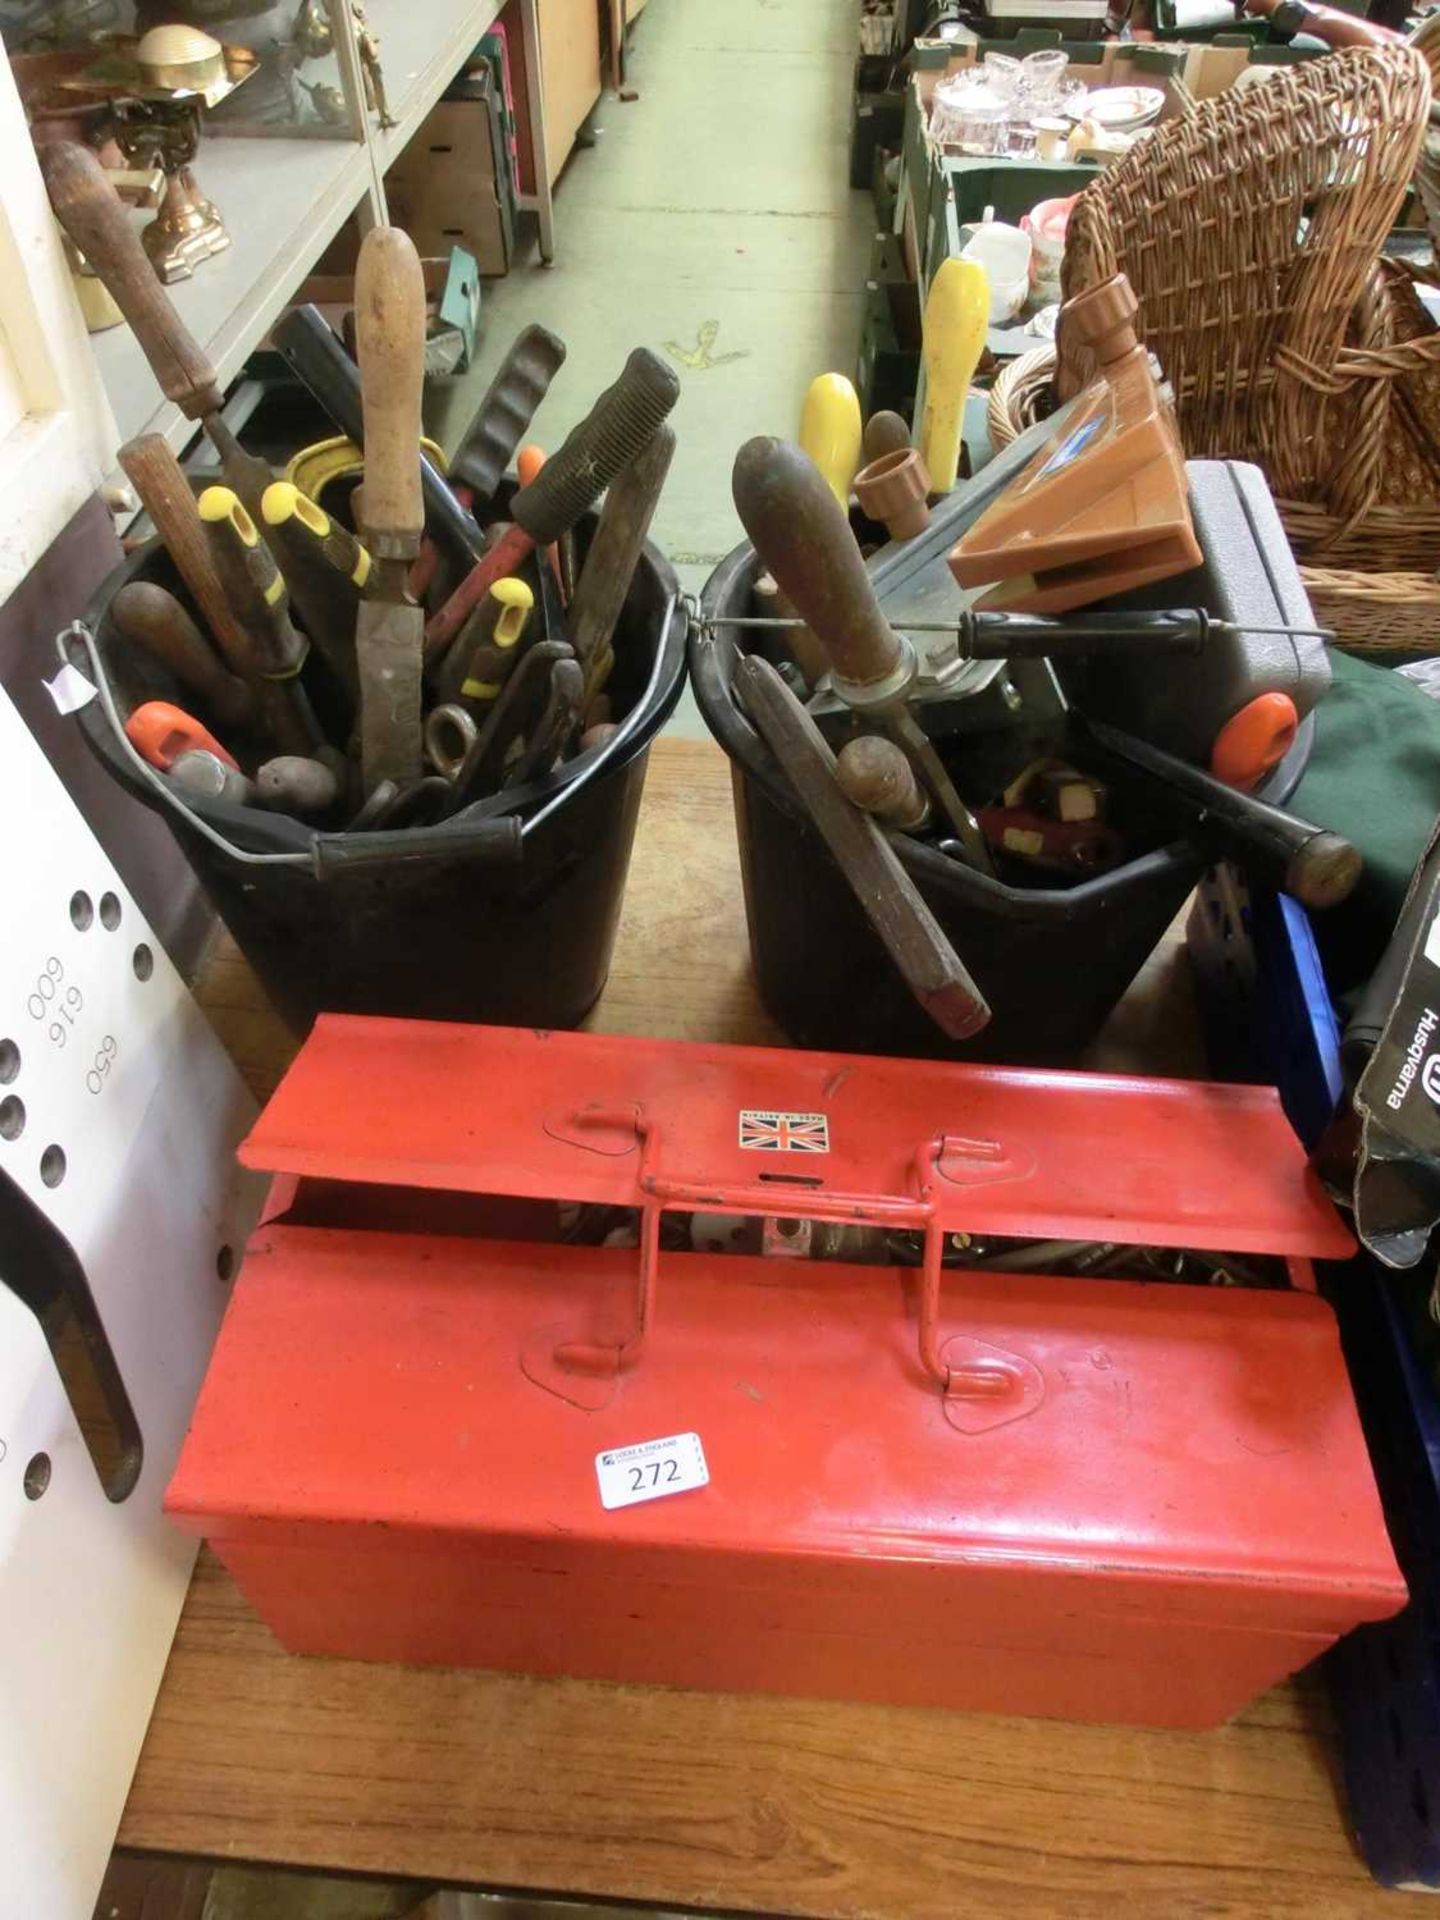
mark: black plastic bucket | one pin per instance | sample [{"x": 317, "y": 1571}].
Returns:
[
  {"x": 424, "y": 921},
  {"x": 1052, "y": 962}
]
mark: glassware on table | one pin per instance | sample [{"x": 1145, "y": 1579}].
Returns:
[
  {"x": 1042, "y": 74},
  {"x": 970, "y": 112}
]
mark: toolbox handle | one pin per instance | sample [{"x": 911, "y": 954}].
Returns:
[{"x": 987, "y": 1380}]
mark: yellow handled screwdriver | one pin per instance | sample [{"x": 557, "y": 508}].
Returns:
[
  {"x": 487, "y": 647},
  {"x": 831, "y": 431},
  {"x": 957, "y": 315},
  {"x": 326, "y": 569}
]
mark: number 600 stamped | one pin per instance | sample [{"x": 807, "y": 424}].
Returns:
[{"x": 651, "y": 1469}]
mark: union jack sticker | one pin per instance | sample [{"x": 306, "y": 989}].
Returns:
[{"x": 763, "y": 1131}]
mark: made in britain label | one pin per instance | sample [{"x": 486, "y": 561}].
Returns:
[{"x": 763, "y": 1130}]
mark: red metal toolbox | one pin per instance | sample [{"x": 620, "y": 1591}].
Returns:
[{"x": 1098, "y": 1499}]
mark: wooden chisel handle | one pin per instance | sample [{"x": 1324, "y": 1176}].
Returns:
[
  {"x": 913, "y": 937},
  {"x": 154, "y": 472},
  {"x": 390, "y": 338},
  {"x": 91, "y": 212},
  {"x": 614, "y": 553},
  {"x": 309, "y": 348},
  {"x": 875, "y": 776},
  {"x": 148, "y": 617},
  {"x": 800, "y": 532}
]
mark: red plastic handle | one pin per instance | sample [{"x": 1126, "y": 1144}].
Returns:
[{"x": 160, "y": 733}]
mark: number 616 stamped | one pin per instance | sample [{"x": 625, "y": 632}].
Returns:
[{"x": 650, "y": 1469}]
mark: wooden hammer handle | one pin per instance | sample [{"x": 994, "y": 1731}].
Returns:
[
  {"x": 390, "y": 336},
  {"x": 800, "y": 532},
  {"x": 91, "y": 212}
]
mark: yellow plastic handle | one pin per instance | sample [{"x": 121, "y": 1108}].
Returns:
[
  {"x": 831, "y": 431},
  {"x": 957, "y": 314}
]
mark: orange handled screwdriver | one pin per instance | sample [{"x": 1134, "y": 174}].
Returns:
[{"x": 160, "y": 733}]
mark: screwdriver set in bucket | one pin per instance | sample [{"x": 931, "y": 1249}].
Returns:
[{"x": 397, "y": 716}]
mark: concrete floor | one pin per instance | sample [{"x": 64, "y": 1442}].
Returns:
[{"x": 711, "y": 220}]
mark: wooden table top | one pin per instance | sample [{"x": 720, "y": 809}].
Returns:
[{"x": 719, "y": 1800}]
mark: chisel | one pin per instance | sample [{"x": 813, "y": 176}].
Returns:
[
  {"x": 165, "y": 493},
  {"x": 149, "y": 618},
  {"x": 500, "y": 421},
  {"x": 620, "y": 423},
  {"x": 390, "y": 628},
  {"x": 893, "y": 904},
  {"x": 92, "y": 213},
  {"x": 804, "y": 539}
]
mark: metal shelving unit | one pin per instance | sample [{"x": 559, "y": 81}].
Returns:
[{"x": 285, "y": 199}]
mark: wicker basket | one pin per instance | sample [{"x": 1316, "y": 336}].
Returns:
[{"x": 1251, "y": 232}]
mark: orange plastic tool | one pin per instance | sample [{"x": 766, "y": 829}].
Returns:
[
  {"x": 160, "y": 733},
  {"x": 528, "y": 463},
  {"x": 1254, "y": 740},
  {"x": 1104, "y": 505}
]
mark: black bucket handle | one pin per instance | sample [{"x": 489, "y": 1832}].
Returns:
[{"x": 491, "y": 837}]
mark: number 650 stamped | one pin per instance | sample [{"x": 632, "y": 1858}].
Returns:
[{"x": 650, "y": 1469}]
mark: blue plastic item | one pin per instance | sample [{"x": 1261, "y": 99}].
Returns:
[{"x": 1267, "y": 1015}]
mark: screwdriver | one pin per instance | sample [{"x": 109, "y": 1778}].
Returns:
[
  {"x": 255, "y": 589},
  {"x": 982, "y": 635},
  {"x": 326, "y": 569}
]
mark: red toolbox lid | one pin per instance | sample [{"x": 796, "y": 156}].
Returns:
[{"x": 1016, "y": 1152}]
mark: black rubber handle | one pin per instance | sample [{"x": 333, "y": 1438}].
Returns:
[
  {"x": 799, "y": 530},
  {"x": 1082, "y": 636},
  {"x": 316, "y": 357},
  {"x": 622, "y": 421},
  {"x": 502, "y": 417},
  {"x": 1314, "y": 866},
  {"x": 491, "y": 843}
]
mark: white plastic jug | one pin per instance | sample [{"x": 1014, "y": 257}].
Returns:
[{"x": 1004, "y": 252}]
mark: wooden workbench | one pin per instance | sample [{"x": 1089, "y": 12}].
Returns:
[{"x": 738, "y": 1802}]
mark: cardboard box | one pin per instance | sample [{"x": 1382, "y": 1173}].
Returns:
[{"x": 450, "y": 187}]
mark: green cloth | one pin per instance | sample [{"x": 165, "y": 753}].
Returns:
[{"x": 1374, "y": 776}]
